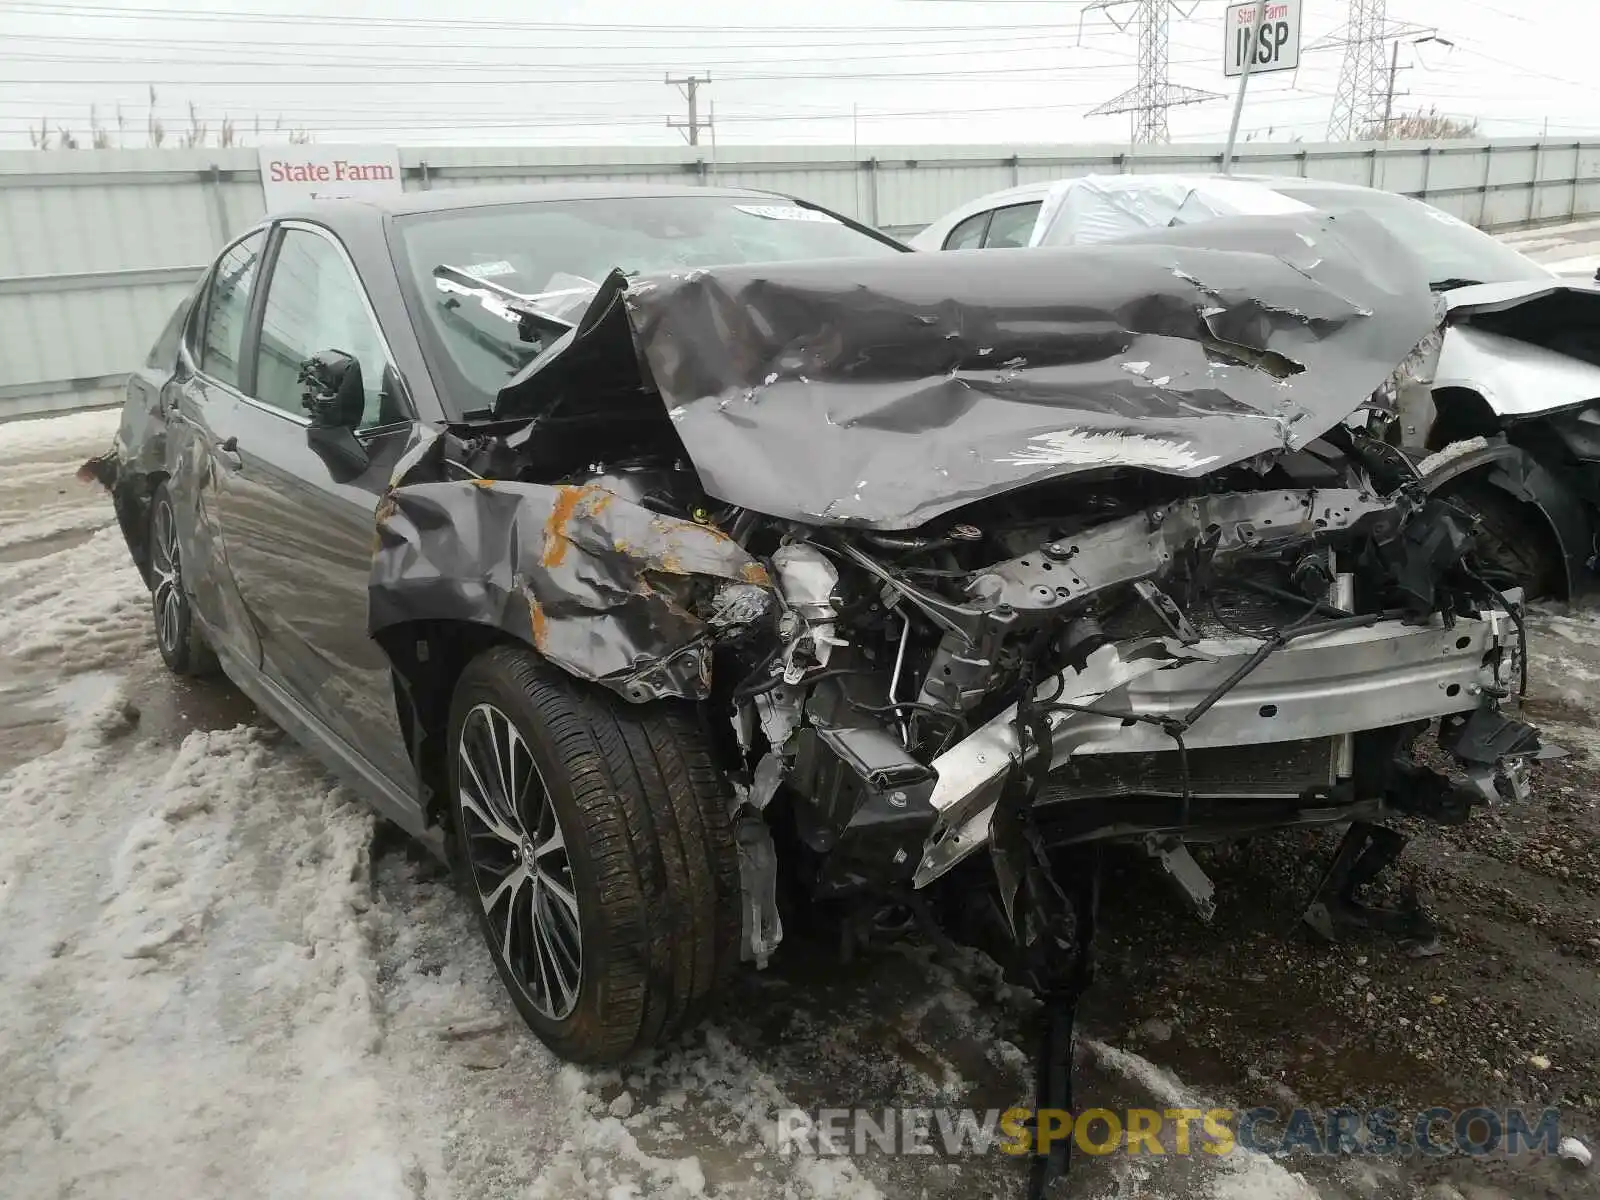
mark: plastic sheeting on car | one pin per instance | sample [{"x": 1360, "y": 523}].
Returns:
[
  {"x": 1098, "y": 208},
  {"x": 885, "y": 393}
]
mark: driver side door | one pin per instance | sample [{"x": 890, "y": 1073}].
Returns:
[{"x": 300, "y": 530}]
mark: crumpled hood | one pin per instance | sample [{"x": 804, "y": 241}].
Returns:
[{"x": 885, "y": 392}]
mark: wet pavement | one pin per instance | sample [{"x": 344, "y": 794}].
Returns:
[
  {"x": 44, "y": 510},
  {"x": 1246, "y": 1011},
  {"x": 1571, "y": 250}
]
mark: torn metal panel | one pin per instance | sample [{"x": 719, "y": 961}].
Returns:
[
  {"x": 1227, "y": 524},
  {"x": 1517, "y": 380},
  {"x": 926, "y": 382},
  {"x": 602, "y": 587},
  {"x": 1370, "y": 677},
  {"x": 1527, "y": 347}
]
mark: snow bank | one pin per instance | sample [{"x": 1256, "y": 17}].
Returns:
[
  {"x": 198, "y": 1018},
  {"x": 46, "y": 434},
  {"x": 78, "y": 609},
  {"x": 1244, "y": 1174},
  {"x": 1449, "y": 454},
  {"x": 53, "y": 520}
]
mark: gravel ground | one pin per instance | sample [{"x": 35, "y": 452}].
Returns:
[{"x": 218, "y": 974}]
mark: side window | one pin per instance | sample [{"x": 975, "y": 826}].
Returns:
[
  {"x": 1011, "y": 227},
  {"x": 228, "y": 308},
  {"x": 315, "y": 303},
  {"x": 969, "y": 234}
]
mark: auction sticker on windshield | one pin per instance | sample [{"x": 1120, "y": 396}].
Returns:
[{"x": 786, "y": 212}]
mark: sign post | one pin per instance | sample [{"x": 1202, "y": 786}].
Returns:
[{"x": 1258, "y": 37}]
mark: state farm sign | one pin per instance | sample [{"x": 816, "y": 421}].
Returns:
[
  {"x": 292, "y": 175},
  {"x": 1277, "y": 45}
]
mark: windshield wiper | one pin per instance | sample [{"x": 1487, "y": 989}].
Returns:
[{"x": 1452, "y": 283}]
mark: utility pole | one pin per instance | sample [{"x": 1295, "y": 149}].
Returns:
[
  {"x": 1149, "y": 99},
  {"x": 689, "y": 85},
  {"x": 1388, "y": 97}
]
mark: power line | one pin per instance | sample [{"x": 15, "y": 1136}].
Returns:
[
  {"x": 187, "y": 81},
  {"x": 334, "y": 118},
  {"x": 545, "y": 46},
  {"x": 277, "y": 58},
  {"x": 653, "y": 120},
  {"x": 1149, "y": 99},
  {"x": 451, "y": 23}
]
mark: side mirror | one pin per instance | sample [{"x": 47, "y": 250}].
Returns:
[
  {"x": 331, "y": 389},
  {"x": 333, "y": 395}
]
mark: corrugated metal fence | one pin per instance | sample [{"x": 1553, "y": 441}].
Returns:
[{"x": 97, "y": 247}]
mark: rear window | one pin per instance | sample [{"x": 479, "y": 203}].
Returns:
[{"x": 558, "y": 253}]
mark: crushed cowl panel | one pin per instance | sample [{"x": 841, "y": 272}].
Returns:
[
  {"x": 885, "y": 392},
  {"x": 602, "y": 587}
]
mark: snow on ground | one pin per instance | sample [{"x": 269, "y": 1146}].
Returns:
[
  {"x": 212, "y": 984},
  {"x": 38, "y": 437},
  {"x": 219, "y": 976},
  {"x": 203, "y": 990}
]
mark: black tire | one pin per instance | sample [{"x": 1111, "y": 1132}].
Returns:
[
  {"x": 1514, "y": 540},
  {"x": 183, "y": 647},
  {"x": 648, "y": 849}
]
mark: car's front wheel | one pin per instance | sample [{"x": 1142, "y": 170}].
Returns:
[
  {"x": 178, "y": 638},
  {"x": 1513, "y": 542},
  {"x": 594, "y": 839}
]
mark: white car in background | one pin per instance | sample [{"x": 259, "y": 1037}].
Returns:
[{"x": 1513, "y": 427}]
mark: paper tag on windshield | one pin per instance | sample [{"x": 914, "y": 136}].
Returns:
[
  {"x": 786, "y": 212},
  {"x": 489, "y": 269}
]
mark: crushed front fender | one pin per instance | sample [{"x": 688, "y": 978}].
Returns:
[{"x": 602, "y": 587}]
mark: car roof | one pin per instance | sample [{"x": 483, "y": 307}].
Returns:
[
  {"x": 448, "y": 199},
  {"x": 1278, "y": 183}
]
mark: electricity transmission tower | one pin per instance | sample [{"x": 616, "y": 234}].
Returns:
[
  {"x": 1365, "y": 95},
  {"x": 1149, "y": 99},
  {"x": 1363, "y": 79}
]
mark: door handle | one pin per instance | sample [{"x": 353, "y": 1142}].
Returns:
[{"x": 228, "y": 452}]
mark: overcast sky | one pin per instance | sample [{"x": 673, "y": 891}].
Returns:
[{"x": 417, "y": 72}]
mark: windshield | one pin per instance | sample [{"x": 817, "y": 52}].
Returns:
[
  {"x": 1454, "y": 253},
  {"x": 484, "y": 280}
]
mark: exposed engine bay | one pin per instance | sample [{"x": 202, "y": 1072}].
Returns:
[{"x": 979, "y": 585}]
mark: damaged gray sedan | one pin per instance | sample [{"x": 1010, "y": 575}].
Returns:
[{"x": 654, "y": 590}]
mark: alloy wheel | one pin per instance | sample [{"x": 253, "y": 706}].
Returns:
[
  {"x": 517, "y": 852},
  {"x": 167, "y": 595}
]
